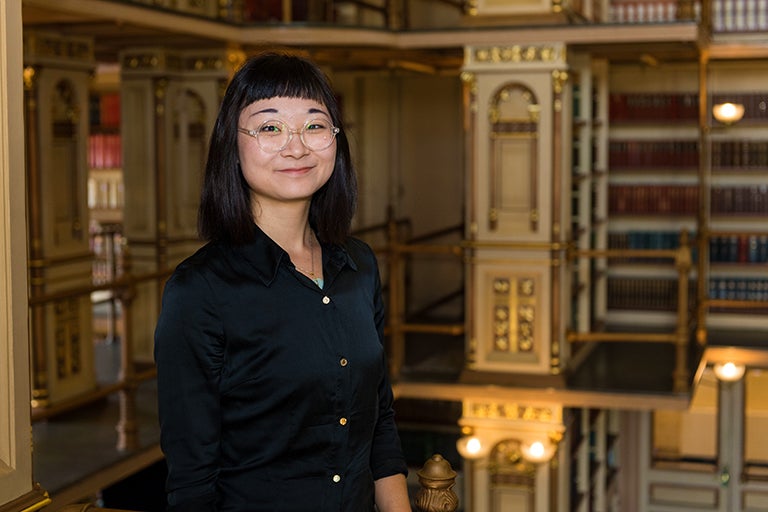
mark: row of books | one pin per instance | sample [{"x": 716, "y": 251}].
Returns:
[
  {"x": 665, "y": 106},
  {"x": 648, "y": 294},
  {"x": 738, "y": 249},
  {"x": 744, "y": 155},
  {"x": 722, "y": 248},
  {"x": 104, "y": 110},
  {"x": 644, "y": 154},
  {"x": 749, "y": 200},
  {"x": 738, "y": 288},
  {"x": 653, "y": 199},
  {"x": 648, "y": 240},
  {"x": 740, "y": 154},
  {"x": 653, "y": 106},
  {"x": 105, "y": 151}
]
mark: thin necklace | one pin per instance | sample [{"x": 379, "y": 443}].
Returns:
[{"x": 310, "y": 273}]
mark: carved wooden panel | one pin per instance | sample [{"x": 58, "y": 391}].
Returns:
[
  {"x": 512, "y": 144},
  {"x": 513, "y": 119},
  {"x": 511, "y": 328}
]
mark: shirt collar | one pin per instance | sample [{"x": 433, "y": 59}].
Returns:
[{"x": 264, "y": 256}]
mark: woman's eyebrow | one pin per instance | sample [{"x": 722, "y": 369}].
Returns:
[{"x": 270, "y": 110}]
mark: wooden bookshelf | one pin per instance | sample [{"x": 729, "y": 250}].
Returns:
[
  {"x": 105, "y": 176},
  {"x": 738, "y": 199},
  {"x": 593, "y": 459},
  {"x": 654, "y": 192},
  {"x": 589, "y": 187}
]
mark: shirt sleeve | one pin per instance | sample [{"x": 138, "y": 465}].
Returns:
[
  {"x": 188, "y": 354},
  {"x": 386, "y": 455}
]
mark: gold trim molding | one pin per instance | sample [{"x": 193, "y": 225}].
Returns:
[
  {"x": 510, "y": 411},
  {"x": 542, "y": 53},
  {"x": 34, "y": 500},
  {"x": 161, "y": 60},
  {"x": 46, "y": 47}
]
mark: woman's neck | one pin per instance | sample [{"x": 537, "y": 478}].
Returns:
[{"x": 288, "y": 227}]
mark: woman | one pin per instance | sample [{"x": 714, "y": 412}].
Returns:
[{"x": 272, "y": 379}]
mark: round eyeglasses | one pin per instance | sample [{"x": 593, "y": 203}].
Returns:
[{"x": 273, "y": 135}]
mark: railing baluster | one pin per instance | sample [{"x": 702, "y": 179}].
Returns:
[{"x": 437, "y": 479}]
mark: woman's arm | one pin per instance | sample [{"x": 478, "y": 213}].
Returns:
[
  {"x": 392, "y": 494},
  {"x": 188, "y": 354}
]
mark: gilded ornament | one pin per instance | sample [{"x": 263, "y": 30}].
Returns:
[
  {"x": 30, "y": 77},
  {"x": 508, "y": 411},
  {"x": 501, "y": 286}
]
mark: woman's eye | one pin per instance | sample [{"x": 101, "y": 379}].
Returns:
[
  {"x": 315, "y": 126},
  {"x": 271, "y": 128}
]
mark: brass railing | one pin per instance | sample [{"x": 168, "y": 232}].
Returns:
[
  {"x": 436, "y": 479},
  {"x": 397, "y": 14},
  {"x": 116, "y": 280},
  {"x": 737, "y": 300},
  {"x": 397, "y": 250},
  {"x": 681, "y": 336},
  {"x": 122, "y": 289}
]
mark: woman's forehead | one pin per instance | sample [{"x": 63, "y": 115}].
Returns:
[{"x": 285, "y": 105}]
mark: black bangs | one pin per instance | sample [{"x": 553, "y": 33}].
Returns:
[{"x": 283, "y": 75}]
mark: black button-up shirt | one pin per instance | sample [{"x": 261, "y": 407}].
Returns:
[{"x": 274, "y": 393}]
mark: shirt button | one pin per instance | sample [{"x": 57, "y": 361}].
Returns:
[
  {"x": 343, "y": 361},
  {"x": 326, "y": 300},
  {"x": 342, "y": 421},
  {"x": 336, "y": 479}
]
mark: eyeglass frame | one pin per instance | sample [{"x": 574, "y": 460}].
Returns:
[{"x": 255, "y": 134}]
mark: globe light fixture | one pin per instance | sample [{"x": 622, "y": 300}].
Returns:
[
  {"x": 538, "y": 452},
  {"x": 729, "y": 372},
  {"x": 728, "y": 113},
  {"x": 470, "y": 447}
]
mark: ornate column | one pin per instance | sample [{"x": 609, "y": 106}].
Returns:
[
  {"x": 56, "y": 79},
  {"x": 169, "y": 103},
  {"x": 508, "y": 448},
  {"x": 518, "y": 219},
  {"x": 516, "y": 213}
]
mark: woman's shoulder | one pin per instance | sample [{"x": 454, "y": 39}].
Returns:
[
  {"x": 357, "y": 247},
  {"x": 198, "y": 266},
  {"x": 361, "y": 256}
]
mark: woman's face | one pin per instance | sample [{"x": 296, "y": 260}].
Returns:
[{"x": 294, "y": 172}]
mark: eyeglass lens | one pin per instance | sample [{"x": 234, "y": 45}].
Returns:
[{"x": 316, "y": 135}]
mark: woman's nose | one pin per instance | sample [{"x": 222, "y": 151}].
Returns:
[{"x": 295, "y": 146}]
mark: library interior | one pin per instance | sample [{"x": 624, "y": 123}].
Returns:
[{"x": 567, "y": 199}]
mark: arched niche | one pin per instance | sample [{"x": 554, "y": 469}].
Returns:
[
  {"x": 188, "y": 150},
  {"x": 513, "y": 119},
  {"x": 512, "y": 479},
  {"x": 65, "y": 182}
]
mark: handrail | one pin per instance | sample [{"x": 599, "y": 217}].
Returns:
[
  {"x": 396, "y": 15},
  {"x": 399, "y": 248},
  {"x": 735, "y": 304},
  {"x": 124, "y": 281},
  {"x": 436, "y": 479},
  {"x": 680, "y": 337}
]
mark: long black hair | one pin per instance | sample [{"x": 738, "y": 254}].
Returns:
[{"x": 225, "y": 212}]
